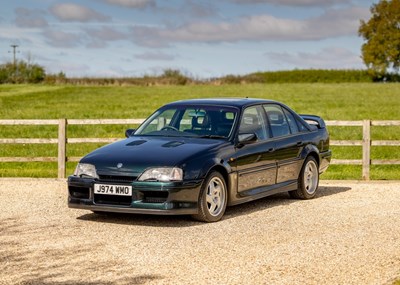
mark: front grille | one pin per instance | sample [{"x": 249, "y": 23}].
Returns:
[
  {"x": 154, "y": 200},
  {"x": 112, "y": 200},
  {"x": 118, "y": 179},
  {"x": 155, "y": 196}
]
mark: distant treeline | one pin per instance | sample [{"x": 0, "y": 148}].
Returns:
[
  {"x": 168, "y": 77},
  {"x": 175, "y": 77},
  {"x": 310, "y": 76},
  {"x": 24, "y": 72},
  {"x": 306, "y": 76}
]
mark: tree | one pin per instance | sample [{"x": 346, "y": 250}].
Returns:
[
  {"x": 22, "y": 72},
  {"x": 381, "y": 50}
]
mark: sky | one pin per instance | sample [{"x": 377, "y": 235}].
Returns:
[{"x": 202, "y": 39}]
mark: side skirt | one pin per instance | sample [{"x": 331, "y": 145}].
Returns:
[{"x": 262, "y": 192}]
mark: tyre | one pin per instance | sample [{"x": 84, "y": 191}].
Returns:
[
  {"x": 308, "y": 180},
  {"x": 212, "y": 199}
]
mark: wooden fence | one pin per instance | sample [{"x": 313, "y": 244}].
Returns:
[
  {"x": 63, "y": 140},
  {"x": 366, "y": 144}
]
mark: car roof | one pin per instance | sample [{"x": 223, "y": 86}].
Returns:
[{"x": 231, "y": 102}]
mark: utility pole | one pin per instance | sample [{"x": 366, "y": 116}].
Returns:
[
  {"x": 14, "y": 59},
  {"x": 14, "y": 52}
]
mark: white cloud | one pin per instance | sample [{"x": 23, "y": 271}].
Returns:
[
  {"x": 98, "y": 38},
  {"x": 304, "y": 3},
  {"x": 157, "y": 56},
  {"x": 135, "y": 4},
  {"x": 338, "y": 22},
  {"x": 95, "y": 43},
  {"x": 18, "y": 35},
  {"x": 198, "y": 10},
  {"x": 106, "y": 33},
  {"x": 28, "y": 18},
  {"x": 333, "y": 23},
  {"x": 61, "y": 39},
  {"x": 68, "y": 12},
  {"x": 189, "y": 10},
  {"x": 331, "y": 57},
  {"x": 250, "y": 28}
]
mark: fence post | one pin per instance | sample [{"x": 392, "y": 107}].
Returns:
[
  {"x": 62, "y": 140},
  {"x": 366, "y": 149}
]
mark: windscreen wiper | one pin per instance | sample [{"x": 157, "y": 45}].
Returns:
[{"x": 212, "y": 137}]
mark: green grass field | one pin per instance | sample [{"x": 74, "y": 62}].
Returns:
[{"x": 352, "y": 101}]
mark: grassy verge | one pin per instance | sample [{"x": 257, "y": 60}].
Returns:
[{"x": 331, "y": 101}]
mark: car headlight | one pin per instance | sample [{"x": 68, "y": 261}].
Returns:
[
  {"x": 163, "y": 174},
  {"x": 86, "y": 170}
]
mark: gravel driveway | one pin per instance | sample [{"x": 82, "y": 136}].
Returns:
[{"x": 350, "y": 234}]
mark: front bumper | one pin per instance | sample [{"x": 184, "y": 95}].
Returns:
[{"x": 164, "y": 198}]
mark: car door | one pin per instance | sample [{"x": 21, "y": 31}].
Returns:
[
  {"x": 255, "y": 161},
  {"x": 289, "y": 142}
]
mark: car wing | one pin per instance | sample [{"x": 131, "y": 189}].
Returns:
[{"x": 313, "y": 120}]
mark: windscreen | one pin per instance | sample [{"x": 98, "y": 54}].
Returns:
[{"x": 198, "y": 121}]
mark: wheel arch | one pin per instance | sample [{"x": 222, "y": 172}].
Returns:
[
  {"x": 315, "y": 156},
  {"x": 224, "y": 172},
  {"x": 311, "y": 150},
  {"x": 211, "y": 163}
]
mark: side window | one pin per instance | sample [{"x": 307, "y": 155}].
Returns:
[
  {"x": 253, "y": 122},
  {"x": 302, "y": 128},
  {"x": 277, "y": 120},
  {"x": 291, "y": 121}
]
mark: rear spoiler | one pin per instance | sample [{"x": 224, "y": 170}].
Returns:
[{"x": 314, "y": 121}]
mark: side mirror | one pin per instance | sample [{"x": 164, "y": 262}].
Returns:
[
  {"x": 129, "y": 132},
  {"x": 249, "y": 138}
]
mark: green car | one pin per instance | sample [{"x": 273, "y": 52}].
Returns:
[{"x": 196, "y": 157}]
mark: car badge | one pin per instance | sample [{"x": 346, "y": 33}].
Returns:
[{"x": 119, "y": 165}]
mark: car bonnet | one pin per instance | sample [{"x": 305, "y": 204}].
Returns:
[{"x": 135, "y": 154}]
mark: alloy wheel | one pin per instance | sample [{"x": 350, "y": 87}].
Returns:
[{"x": 215, "y": 196}]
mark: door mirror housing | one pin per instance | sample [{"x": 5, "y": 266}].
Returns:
[
  {"x": 247, "y": 138},
  {"x": 129, "y": 132}
]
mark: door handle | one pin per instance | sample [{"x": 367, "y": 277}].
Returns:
[
  {"x": 271, "y": 149},
  {"x": 299, "y": 143}
]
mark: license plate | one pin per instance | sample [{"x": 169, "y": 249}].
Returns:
[{"x": 108, "y": 189}]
